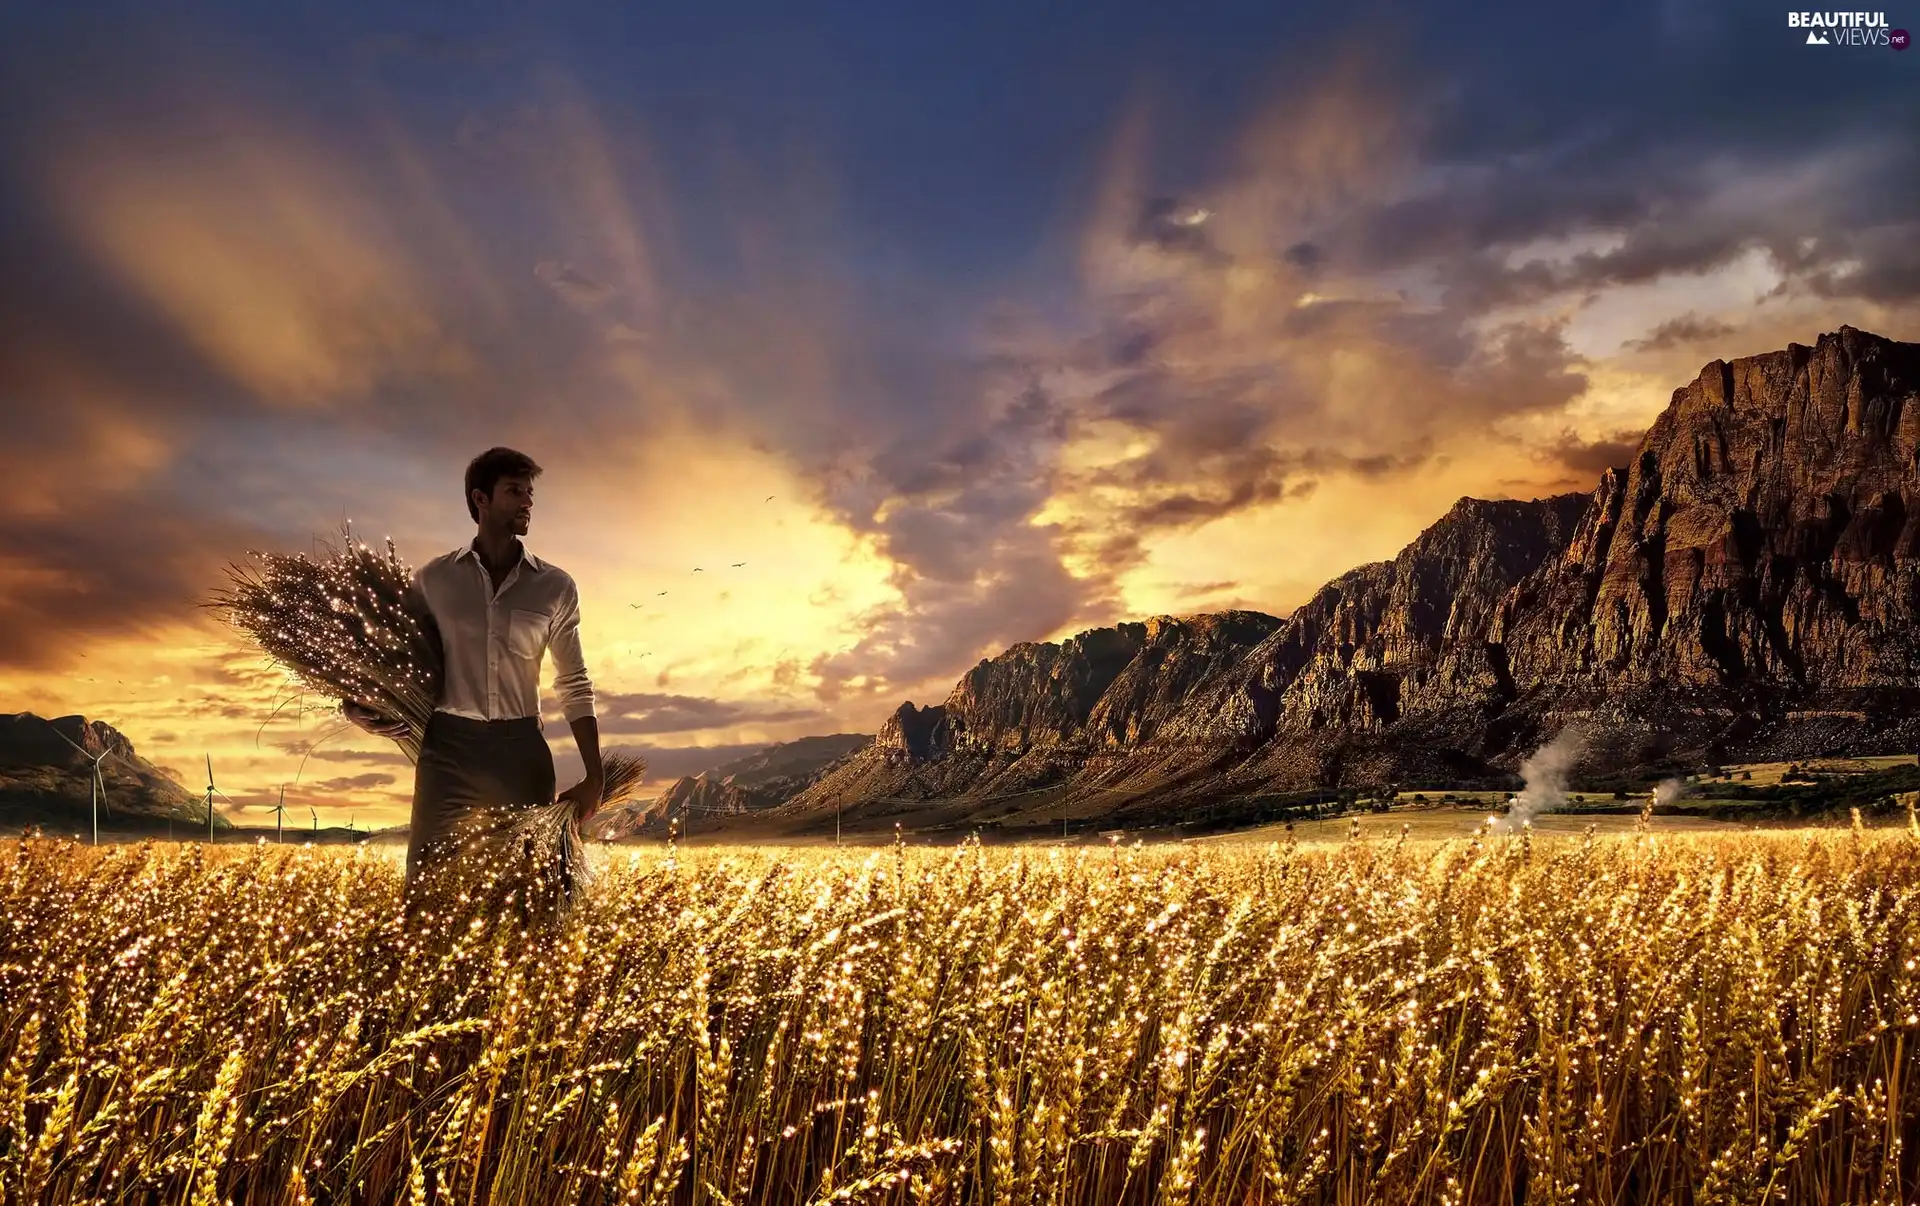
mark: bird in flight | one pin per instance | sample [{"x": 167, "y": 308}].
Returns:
[
  {"x": 738, "y": 564},
  {"x": 769, "y": 498},
  {"x": 696, "y": 569},
  {"x": 636, "y": 605},
  {"x": 662, "y": 592}
]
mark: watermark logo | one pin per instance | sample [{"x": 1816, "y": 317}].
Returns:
[{"x": 1848, "y": 29}]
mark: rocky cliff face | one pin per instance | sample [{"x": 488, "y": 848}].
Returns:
[
  {"x": 1765, "y": 533},
  {"x": 1754, "y": 573},
  {"x": 1392, "y": 640},
  {"x": 46, "y": 781},
  {"x": 1041, "y": 713},
  {"x": 1746, "y": 586}
]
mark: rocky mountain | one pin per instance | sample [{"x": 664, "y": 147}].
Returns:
[
  {"x": 46, "y": 781},
  {"x": 753, "y": 783},
  {"x": 1751, "y": 579},
  {"x": 1745, "y": 587},
  {"x": 1040, "y": 714}
]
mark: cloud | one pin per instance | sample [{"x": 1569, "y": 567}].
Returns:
[
  {"x": 633, "y": 714},
  {"x": 1586, "y": 460},
  {"x": 349, "y": 783},
  {"x": 573, "y": 286},
  {"x": 1880, "y": 264},
  {"x": 1686, "y": 331},
  {"x": 1205, "y": 376},
  {"x": 264, "y": 257},
  {"x": 667, "y": 763},
  {"x": 1201, "y": 589},
  {"x": 106, "y": 570},
  {"x": 306, "y": 749}
]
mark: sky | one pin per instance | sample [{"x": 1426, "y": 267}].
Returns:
[{"x": 958, "y": 325}]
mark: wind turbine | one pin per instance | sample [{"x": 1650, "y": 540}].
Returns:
[
  {"x": 316, "y": 820},
  {"x": 99, "y": 786},
  {"x": 280, "y": 817},
  {"x": 211, "y": 790}
]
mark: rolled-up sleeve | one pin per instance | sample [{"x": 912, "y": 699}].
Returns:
[{"x": 570, "y": 680}]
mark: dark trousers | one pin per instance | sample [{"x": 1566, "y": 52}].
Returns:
[{"x": 469, "y": 768}]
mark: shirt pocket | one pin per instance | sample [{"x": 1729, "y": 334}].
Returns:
[{"x": 527, "y": 632}]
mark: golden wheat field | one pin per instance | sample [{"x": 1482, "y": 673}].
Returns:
[{"x": 1621, "y": 1019}]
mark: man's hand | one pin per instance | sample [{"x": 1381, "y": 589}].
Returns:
[
  {"x": 372, "y": 721},
  {"x": 585, "y": 796}
]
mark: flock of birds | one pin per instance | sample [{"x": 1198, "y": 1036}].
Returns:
[{"x": 696, "y": 569}]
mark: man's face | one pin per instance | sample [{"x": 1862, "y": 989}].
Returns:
[{"x": 511, "y": 507}]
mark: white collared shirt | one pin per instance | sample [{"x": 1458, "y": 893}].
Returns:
[{"x": 494, "y": 640}]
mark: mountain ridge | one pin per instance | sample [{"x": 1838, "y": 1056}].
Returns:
[
  {"x": 1746, "y": 584},
  {"x": 1745, "y": 587},
  {"x": 45, "y": 781}
]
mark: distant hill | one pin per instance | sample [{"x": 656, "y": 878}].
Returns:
[
  {"x": 753, "y": 783},
  {"x": 47, "y": 782}
]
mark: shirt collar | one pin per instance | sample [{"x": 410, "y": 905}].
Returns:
[{"x": 526, "y": 555}]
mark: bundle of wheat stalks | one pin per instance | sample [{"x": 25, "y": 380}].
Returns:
[{"x": 345, "y": 626}]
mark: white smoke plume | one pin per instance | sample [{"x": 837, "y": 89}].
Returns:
[
  {"x": 1545, "y": 772},
  {"x": 1665, "y": 793}
]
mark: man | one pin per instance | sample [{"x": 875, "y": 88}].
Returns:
[{"x": 498, "y": 609}]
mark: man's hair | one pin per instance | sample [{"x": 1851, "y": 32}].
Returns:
[{"x": 486, "y": 470}]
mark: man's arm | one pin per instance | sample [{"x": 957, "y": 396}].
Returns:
[
  {"x": 570, "y": 681},
  {"x": 586, "y": 736}
]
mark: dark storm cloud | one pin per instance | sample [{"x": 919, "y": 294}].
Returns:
[
  {"x": 1694, "y": 168},
  {"x": 118, "y": 569},
  {"x": 1304, "y": 256},
  {"x": 1881, "y": 264},
  {"x": 1586, "y": 460},
  {"x": 1681, "y": 332}
]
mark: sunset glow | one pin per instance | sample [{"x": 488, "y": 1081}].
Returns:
[{"x": 1155, "y": 348}]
